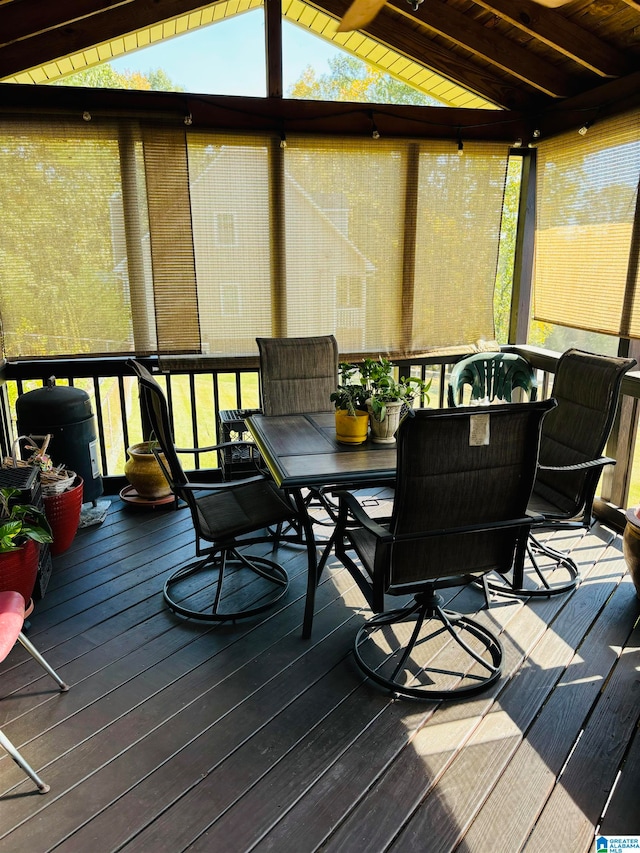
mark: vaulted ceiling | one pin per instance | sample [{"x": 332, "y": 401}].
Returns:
[{"x": 512, "y": 54}]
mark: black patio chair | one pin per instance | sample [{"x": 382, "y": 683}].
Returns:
[
  {"x": 587, "y": 390},
  {"x": 229, "y": 517},
  {"x": 491, "y": 376},
  {"x": 298, "y": 375},
  {"x": 464, "y": 479}
]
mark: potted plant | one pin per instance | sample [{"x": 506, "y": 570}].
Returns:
[
  {"x": 390, "y": 398},
  {"x": 22, "y": 528},
  {"x": 62, "y": 493},
  {"x": 352, "y": 417},
  {"x": 144, "y": 472}
]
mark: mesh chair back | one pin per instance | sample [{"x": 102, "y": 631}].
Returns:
[
  {"x": 492, "y": 375},
  {"x": 449, "y": 478},
  {"x": 297, "y": 374},
  {"x": 155, "y": 404},
  {"x": 587, "y": 388}
]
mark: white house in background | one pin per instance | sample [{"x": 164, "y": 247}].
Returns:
[{"x": 231, "y": 228}]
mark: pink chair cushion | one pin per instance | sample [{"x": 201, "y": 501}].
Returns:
[{"x": 11, "y": 620}]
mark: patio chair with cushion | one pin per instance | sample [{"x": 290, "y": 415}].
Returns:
[
  {"x": 227, "y": 518},
  {"x": 464, "y": 478},
  {"x": 12, "y": 616},
  {"x": 587, "y": 389},
  {"x": 491, "y": 376}
]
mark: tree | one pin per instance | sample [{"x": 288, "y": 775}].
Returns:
[
  {"x": 350, "y": 79},
  {"x": 106, "y": 77}
]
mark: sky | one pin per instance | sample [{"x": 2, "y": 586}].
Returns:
[{"x": 200, "y": 61}]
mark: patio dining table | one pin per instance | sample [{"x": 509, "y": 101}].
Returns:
[{"x": 301, "y": 451}]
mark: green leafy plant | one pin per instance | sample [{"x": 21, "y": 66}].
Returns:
[
  {"x": 404, "y": 390},
  {"x": 373, "y": 379},
  {"x": 352, "y": 390},
  {"x": 19, "y": 522}
]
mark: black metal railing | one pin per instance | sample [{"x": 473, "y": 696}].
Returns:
[{"x": 197, "y": 393}]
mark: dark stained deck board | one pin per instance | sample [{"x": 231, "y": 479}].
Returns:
[
  {"x": 476, "y": 769},
  {"x": 179, "y": 672},
  {"x": 466, "y": 771},
  {"x": 238, "y": 706},
  {"x": 512, "y": 808},
  {"x": 621, "y": 816},
  {"x": 177, "y": 736},
  {"x": 577, "y": 801}
]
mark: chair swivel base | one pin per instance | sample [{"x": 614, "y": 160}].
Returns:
[
  {"x": 183, "y": 596},
  {"x": 415, "y": 652},
  {"x": 557, "y": 579}
]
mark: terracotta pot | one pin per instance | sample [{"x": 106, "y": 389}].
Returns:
[
  {"x": 143, "y": 471},
  {"x": 63, "y": 515},
  {"x": 631, "y": 546},
  {"x": 19, "y": 569},
  {"x": 350, "y": 429},
  {"x": 384, "y": 431}
]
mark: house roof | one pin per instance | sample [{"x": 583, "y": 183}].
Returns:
[{"x": 513, "y": 54}]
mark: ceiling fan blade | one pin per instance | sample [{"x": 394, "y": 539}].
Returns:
[
  {"x": 362, "y": 12},
  {"x": 359, "y": 14}
]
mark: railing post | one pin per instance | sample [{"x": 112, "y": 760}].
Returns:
[
  {"x": 523, "y": 261},
  {"x": 616, "y": 480}
]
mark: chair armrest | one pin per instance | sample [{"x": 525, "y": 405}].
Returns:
[
  {"x": 212, "y": 447},
  {"x": 215, "y": 487},
  {"x": 527, "y": 520},
  {"x": 580, "y": 466},
  {"x": 348, "y": 501}
]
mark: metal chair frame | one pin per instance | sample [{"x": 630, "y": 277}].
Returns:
[
  {"x": 459, "y": 513},
  {"x": 12, "y": 616},
  {"x": 587, "y": 389},
  {"x": 227, "y": 517},
  {"x": 298, "y": 375}
]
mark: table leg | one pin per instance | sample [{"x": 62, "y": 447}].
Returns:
[{"x": 312, "y": 562}]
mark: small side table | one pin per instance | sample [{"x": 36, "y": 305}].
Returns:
[
  {"x": 236, "y": 463},
  {"x": 631, "y": 546}
]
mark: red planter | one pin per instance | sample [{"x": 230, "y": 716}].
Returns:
[
  {"x": 63, "y": 514},
  {"x": 19, "y": 569}
]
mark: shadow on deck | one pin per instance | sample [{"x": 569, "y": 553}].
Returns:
[{"x": 176, "y": 736}]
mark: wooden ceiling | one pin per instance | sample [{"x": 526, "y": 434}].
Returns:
[{"x": 516, "y": 54}]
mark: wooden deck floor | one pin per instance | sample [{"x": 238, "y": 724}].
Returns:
[{"x": 176, "y": 736}]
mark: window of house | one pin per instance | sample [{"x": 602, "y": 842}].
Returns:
[{"x": 224, "y": 229}]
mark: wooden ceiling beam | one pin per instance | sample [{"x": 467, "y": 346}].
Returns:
[
  {"x": 490, "y": 46},
  {"x": 560, "y": 34},
  {"x": 610, "y": 98},
  {"x": 412, "y": 44},
  {"x": 85, "y": 32},
  {"x": 43, "y": 16},
  {"x": 271, "y": 114},
  {"x": 273, "y": 48}
]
